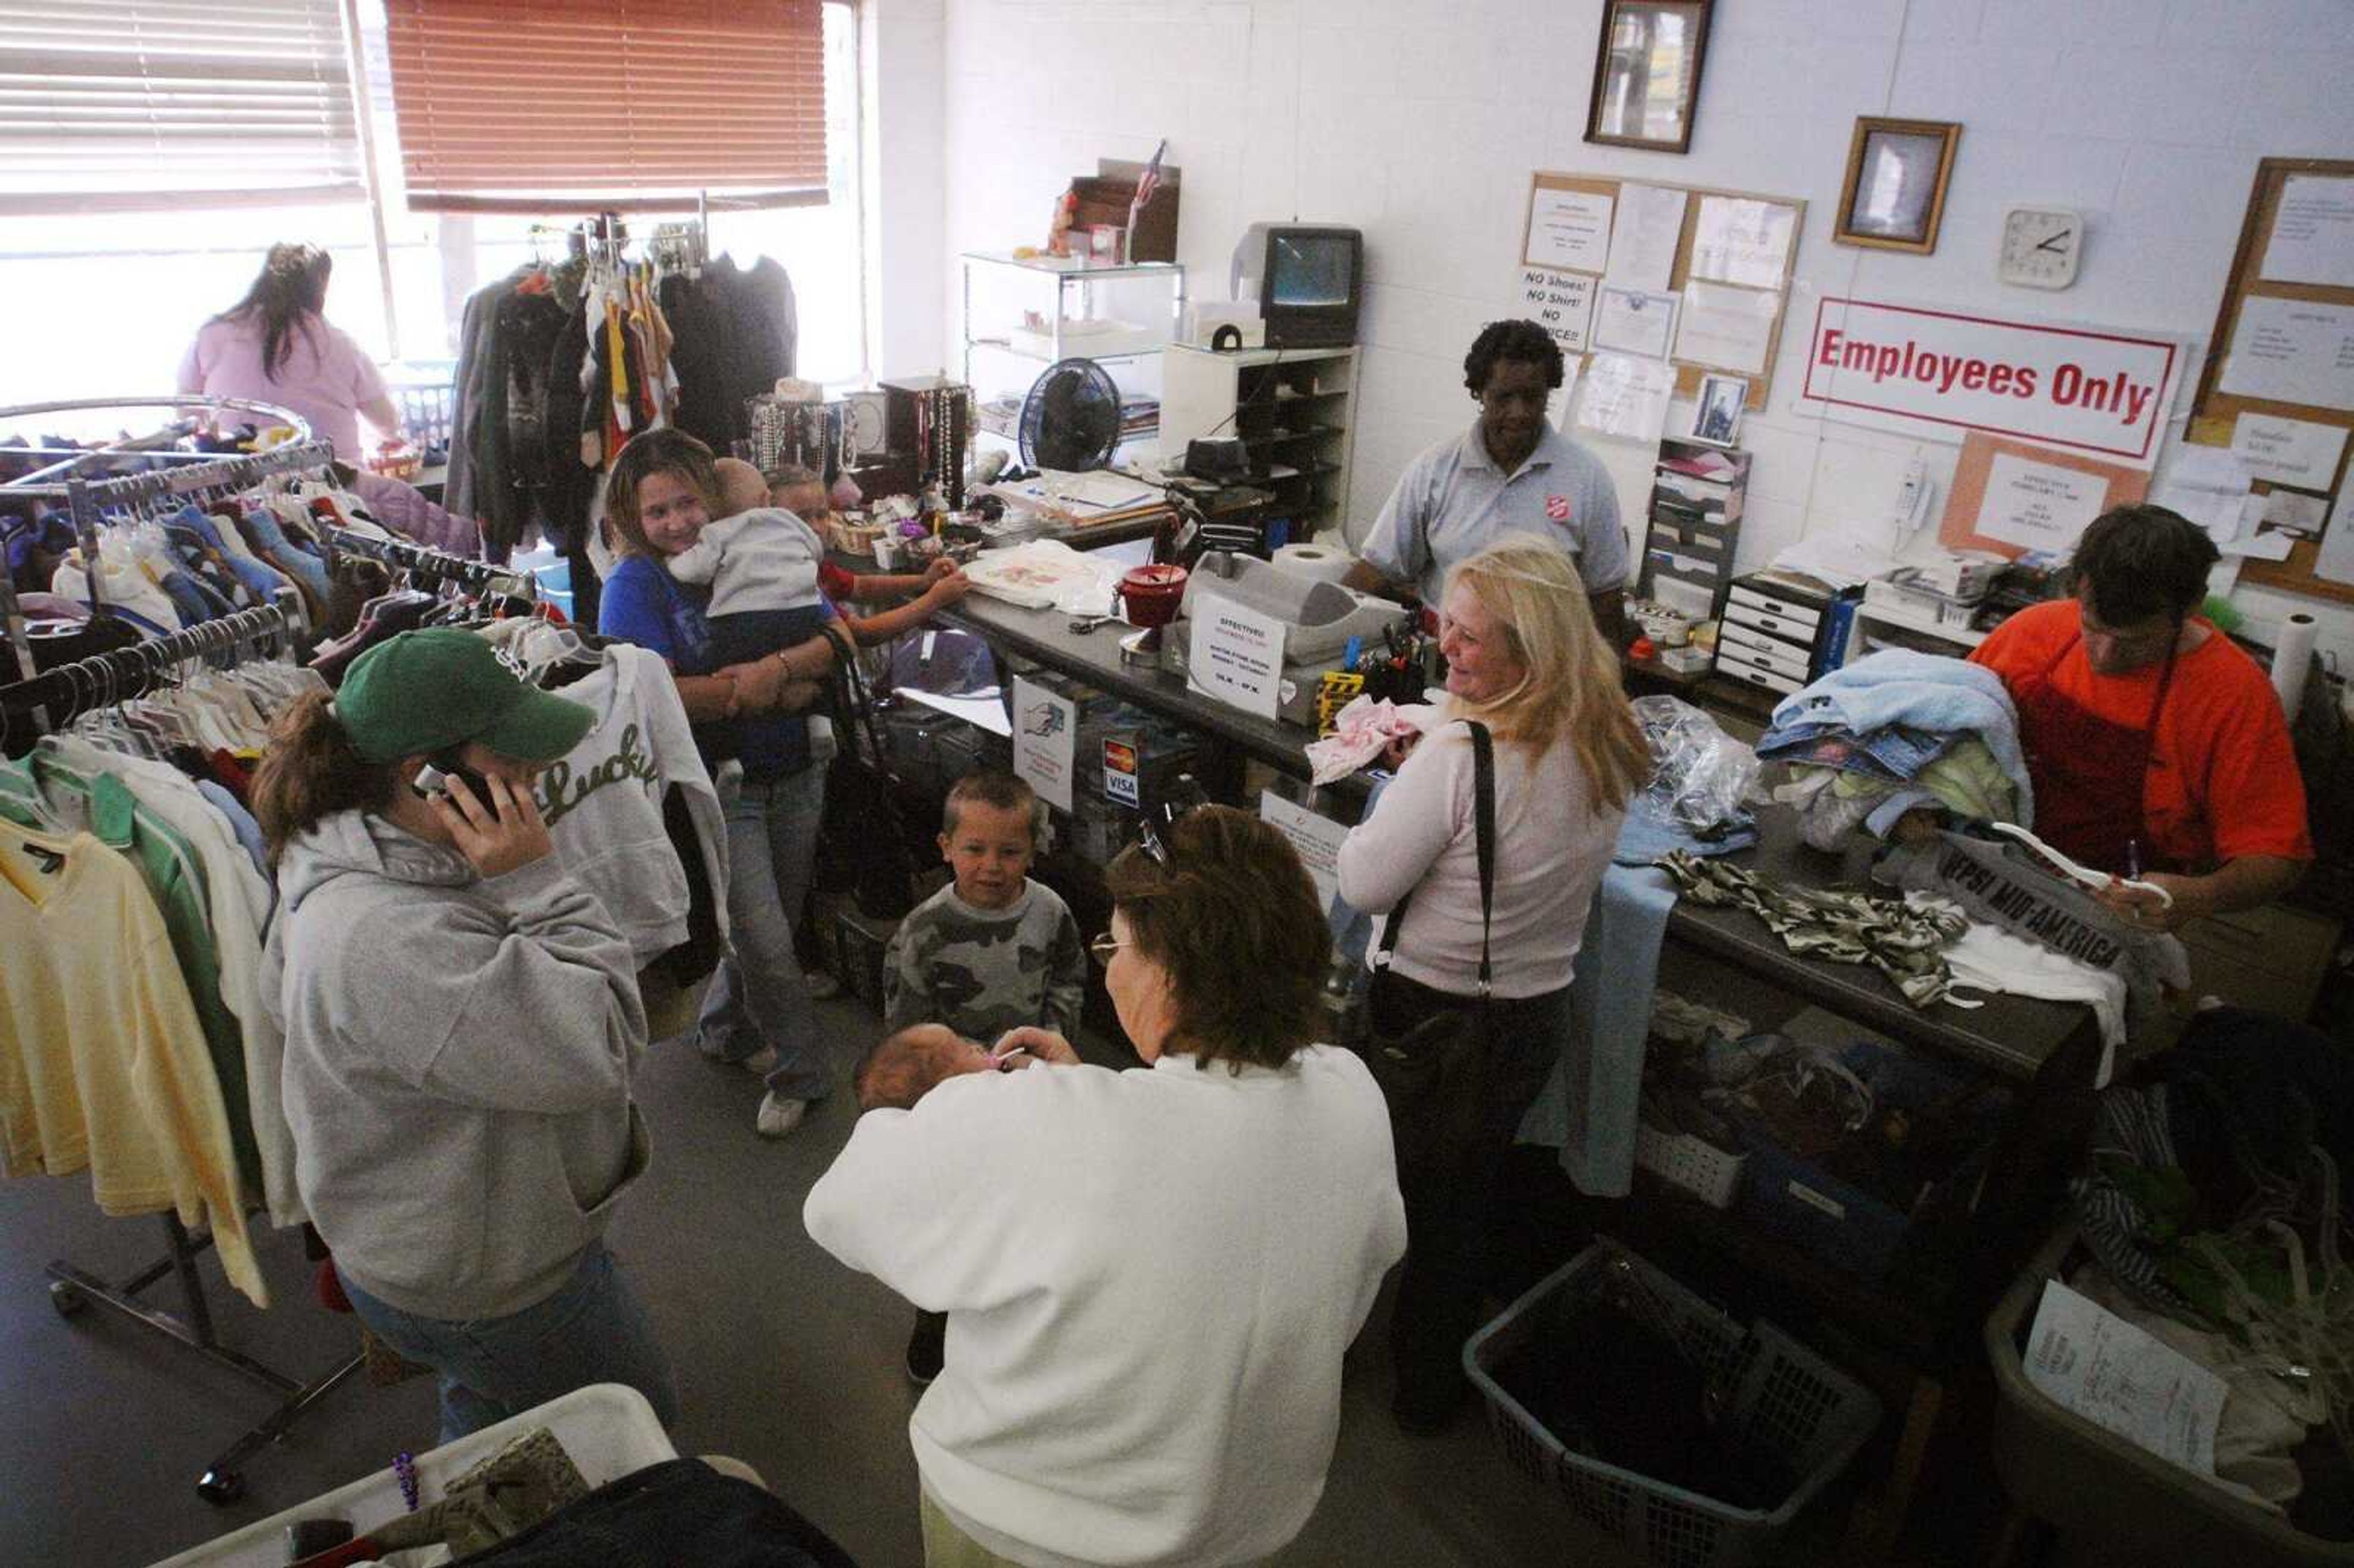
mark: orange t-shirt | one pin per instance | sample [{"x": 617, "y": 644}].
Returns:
[{"x": 2223, "y": 780}]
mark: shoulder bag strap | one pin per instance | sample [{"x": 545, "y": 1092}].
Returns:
[
  {"x": 1483, "y": 827},
  {"x": 857, "y": 706}
]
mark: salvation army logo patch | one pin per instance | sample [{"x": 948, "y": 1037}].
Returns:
[{"x": 1557, "y": 508}]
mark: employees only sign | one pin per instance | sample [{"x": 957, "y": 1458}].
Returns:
[{"x": 2099, "y": 392}]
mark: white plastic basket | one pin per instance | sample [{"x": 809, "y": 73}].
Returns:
[
  {"x": 1785, "y": 1399},
  {"x": 1699, "y": 1167},
  {"x": 608, "y": 1430}
]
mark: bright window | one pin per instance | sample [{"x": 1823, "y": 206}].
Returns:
[{"x": 108, "y": 301}]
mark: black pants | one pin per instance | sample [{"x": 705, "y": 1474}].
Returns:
[{"x": 1454, "y": 1207}]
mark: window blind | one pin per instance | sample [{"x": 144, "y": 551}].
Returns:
[
  {"x": 529, "y": 105},
  {"x": 131, "y": 104}
]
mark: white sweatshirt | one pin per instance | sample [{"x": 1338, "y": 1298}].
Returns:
[
  {"x": 1150, "y": 1279},
  {"x": 1551, "y": 852}
]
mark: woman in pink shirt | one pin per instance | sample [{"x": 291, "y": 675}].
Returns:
[{"x": 274, "y": 347}]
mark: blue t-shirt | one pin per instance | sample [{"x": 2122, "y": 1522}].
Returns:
[{"x": 643, "y": 604}]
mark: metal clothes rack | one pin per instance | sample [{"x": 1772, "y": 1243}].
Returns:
[
  {"x": 102, "y": 680},
  {"x": 434, "y": 568}
]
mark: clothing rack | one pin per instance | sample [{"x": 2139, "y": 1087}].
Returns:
[
  {"x": 101, "y": 680},
  {"x": 86, "y": 684},
  {"x": 435, "y": 567}
]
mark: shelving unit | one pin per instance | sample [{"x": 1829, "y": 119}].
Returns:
[
  {"x": 1121, "y": 317},
  {"x": 1295, "y": 410}
]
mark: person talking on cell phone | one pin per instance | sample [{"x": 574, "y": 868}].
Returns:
[{"x": 461, "y": 1023}]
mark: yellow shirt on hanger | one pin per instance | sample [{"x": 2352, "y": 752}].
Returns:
[{"x": 103, "y": 1064}]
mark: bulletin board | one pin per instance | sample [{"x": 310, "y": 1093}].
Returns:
[
  {"x": 2216, "y": 414},
  {"x": 1689, "y": 371}
]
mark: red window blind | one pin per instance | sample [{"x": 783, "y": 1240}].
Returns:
[{"x": 529, "y": 105}]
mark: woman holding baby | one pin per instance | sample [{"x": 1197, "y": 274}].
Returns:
[{"x": 745, "y": 678}]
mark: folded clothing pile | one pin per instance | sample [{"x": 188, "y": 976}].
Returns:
[{"x": 1895, "y": 731}]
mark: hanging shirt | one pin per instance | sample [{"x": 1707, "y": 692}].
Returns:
[
  {"x": 603, "y": 802},
  {"x": 237, "y": 904},
  {"x": 41, "y": 787},
  {"x": 102, "y": 1060}
]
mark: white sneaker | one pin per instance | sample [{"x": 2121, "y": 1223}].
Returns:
[
  {"x": 822, "y": 986},
  {"x": 778, "y": 1116}
]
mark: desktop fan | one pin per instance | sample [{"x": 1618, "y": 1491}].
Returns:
[{"x": 1070, "y": 421}]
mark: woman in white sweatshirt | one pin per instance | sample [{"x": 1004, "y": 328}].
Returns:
[
  {"x": 1150, "y": 1275},
  {"x": 1524, "y": 658}
]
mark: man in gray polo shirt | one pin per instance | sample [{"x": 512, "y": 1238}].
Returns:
[{"x": 1512, "y": 473}]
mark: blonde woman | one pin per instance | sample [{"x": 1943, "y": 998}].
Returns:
[{"x": 1526, "y": 659}]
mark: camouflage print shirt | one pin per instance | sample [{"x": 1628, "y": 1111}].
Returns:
[{"x": 983, "y": 971}]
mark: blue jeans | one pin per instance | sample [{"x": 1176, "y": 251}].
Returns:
[
  {"x": 760, "y": 997},
  {"x": 593, "y": 1329}
]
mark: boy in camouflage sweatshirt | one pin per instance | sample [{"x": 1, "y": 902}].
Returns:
[
  {"x": 993, "y": 950},
  {"x": 990, "y": 952}
]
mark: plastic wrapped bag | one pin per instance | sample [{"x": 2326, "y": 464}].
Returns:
[{"x": 1700, "y": 776}]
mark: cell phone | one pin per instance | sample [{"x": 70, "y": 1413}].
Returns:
[{"x": 433, "y": 778}]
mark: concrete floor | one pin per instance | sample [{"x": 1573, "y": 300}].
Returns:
[{"x": 784, "y": 1359}]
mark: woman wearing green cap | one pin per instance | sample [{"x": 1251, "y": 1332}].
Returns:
[{"x": 461, "y": 1023}]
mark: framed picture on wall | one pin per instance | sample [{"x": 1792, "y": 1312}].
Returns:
[
  {"x": 1895, "y": 192},
  {"x": 1646, "y": 73},
  {"x": 1716, "y": 417}
]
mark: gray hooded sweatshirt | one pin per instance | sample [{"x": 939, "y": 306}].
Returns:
[{"x": 459, "y": 1053}]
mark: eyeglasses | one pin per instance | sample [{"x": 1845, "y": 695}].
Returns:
[{"x": 1103, "y": 947}]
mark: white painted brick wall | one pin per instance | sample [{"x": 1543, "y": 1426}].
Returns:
[{"x": 1420, "y": 121}]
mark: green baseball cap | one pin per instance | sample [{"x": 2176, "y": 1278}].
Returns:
[{"x": 421, "y": 692}]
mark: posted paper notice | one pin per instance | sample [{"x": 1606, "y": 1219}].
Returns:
[
  {"x": 1237, "y": 656},
  {"x": 1046, "y": 741},
  {"x": 2036, "y": 504},
  {"x": 2289, "y": 451},
  {"x": 1643, "y": 240},
  {"x": 2292, "y": 351},
  {"x": 1729, "y": 328},
  {"x": 1635, "y": 320},
  {"x": 1316, "y": 838},
  {"x": 1625, "y": 396},
  {"x": 2336, "y": 560},
  {"x": 1569, "y": 229},
  {"x": 1560, "y": 303},
  {"x": 2088, "y": 1359},
  {"x": 2312, "y": 233},
  {"x": 1736, "y": 240}
]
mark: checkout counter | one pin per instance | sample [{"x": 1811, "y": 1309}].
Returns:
[{"x": 2048, "y": 1051}]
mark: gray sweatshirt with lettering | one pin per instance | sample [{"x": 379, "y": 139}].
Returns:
[
  {"x": 603, "y": 802},
  {"x": 459, "y": 1054}
]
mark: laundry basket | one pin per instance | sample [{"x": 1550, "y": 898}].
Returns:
[
  {"x": 2088, "y": 1483},
  {"x": 1786, "y": 1401}
]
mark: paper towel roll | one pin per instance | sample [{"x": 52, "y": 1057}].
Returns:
[
  {"x": 1315, "y": 561},
  {"x": 2290, "y": 659}
]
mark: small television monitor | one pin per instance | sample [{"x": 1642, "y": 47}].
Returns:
[{"x": 1310, "y": 280}]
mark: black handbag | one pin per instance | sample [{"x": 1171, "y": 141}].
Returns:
[
  {"x": 865, "y": 836},
  {"x": 1433, "y": 1074}
]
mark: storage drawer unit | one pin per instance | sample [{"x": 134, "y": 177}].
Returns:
[
  {"x": 1692, "y": 526},
  {"x": 1774, "y": 631}
]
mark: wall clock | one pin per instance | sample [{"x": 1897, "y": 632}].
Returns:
[{"x": 2041, "y": 246}]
